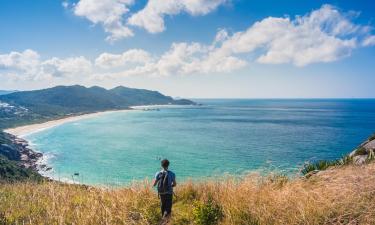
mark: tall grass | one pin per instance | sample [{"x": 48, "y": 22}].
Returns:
[{"x": 344, "y": 195}]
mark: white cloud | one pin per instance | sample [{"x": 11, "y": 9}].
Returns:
[
  {"x": 25, "y": 61},
  {"x": 322, "y": 36},
  {"x": 369, "y": 41},
  {"x": 65, "y": 67},
  {"x": 27, "y": 65},
  {"x": 112, "y": 14},
  {"x": 185, "y": 59},
  {"x": 152, "y": 16},
  {"x": 108, "y": 13},
  {"x": 107, "y": 60}
]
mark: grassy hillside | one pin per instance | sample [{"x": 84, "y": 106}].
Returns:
[{"x": 340, "y": 195}]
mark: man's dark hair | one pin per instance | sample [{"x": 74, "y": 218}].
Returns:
[{"x": 165, "y": 163}]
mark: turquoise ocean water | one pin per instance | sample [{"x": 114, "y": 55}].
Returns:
[{"x": 219, "y": 137}]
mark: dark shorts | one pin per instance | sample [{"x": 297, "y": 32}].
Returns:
[{"x": 166, "y": 204}]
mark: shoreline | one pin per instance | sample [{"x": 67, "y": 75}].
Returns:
[
  {"x": 25, "y": 130},
  {"x": 29, "y": 158},
  {"x": 32, "y": 159}
]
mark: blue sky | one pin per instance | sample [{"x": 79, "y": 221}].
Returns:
[{"x": 263, "y": 49}]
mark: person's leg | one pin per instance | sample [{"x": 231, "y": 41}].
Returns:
[
  {"x": 162, "y": 204},
  {"x": 168, "y": 203}
]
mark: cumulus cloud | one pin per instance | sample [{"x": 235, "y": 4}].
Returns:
[
  {"x": 108, "y": 13},
  {"x": 181, "y": 59},
  {"x": 24, "y": 61},
  {"x": 64, "y": 67},
  {"x": 324, "y": 35},
  {"x": 114, "y": 15},
  {"x": 28, "y": 64},
  {"x": 107, "y": 60},
  {"x": 193, "y": 58},
  {"x": 369, "y": 41},
  {"x": 321, "y": 36},
  {"x": 152, "y": 16}
]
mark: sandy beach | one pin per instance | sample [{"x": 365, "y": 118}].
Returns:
[{"x": 33, "y": 128}]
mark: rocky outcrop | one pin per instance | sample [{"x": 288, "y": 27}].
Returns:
[
  {"x": 369, "y": 145},
  {"x": 360, "y": 159},
  {"x": 365, "y": 152},
  {"x": 17, "y": 149}
]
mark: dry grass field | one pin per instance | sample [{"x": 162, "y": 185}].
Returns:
[{"x": 341, "y": 195}]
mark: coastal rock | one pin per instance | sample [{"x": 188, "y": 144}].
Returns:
[
  {"x": 369, "y": 146},
  {"x": 353, "y": 153},
  {"x": 360, "y": 159},
  {"x": 365, "y": 149},
  {"x": 33, "y": 156},
  {"x": 24, "y": 158},
  {"x": 15, "y": 148}
]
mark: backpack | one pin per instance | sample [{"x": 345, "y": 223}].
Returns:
[{"x": 163, "y": 184}]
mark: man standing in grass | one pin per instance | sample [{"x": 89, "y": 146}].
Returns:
[{"x": 165, "y": 181}]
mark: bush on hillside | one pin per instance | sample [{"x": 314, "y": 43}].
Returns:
[{"x": 207, "y": 213}]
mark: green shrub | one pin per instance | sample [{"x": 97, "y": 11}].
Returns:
[
  {"x": 307, "y": 168},
  {"x": 145, "y": 209},
  {"x": 11, "y": 171},
  {"x": 152, "y": 212},
  {"x": 207, "y": 213},
  {"x": 318, "y": 166}
]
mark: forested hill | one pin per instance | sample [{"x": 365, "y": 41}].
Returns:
[{"x": 32, "y": 106}]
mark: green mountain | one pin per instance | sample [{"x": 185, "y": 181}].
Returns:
[
  {"x": 142, "y": 96},
  {"x": 78, "y": 99},
  {"x": 34, "y": 106},
  {"x": 62, "y": 100}
]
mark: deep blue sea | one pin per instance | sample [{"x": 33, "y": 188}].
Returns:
[{"x": 217, "y": 138}]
